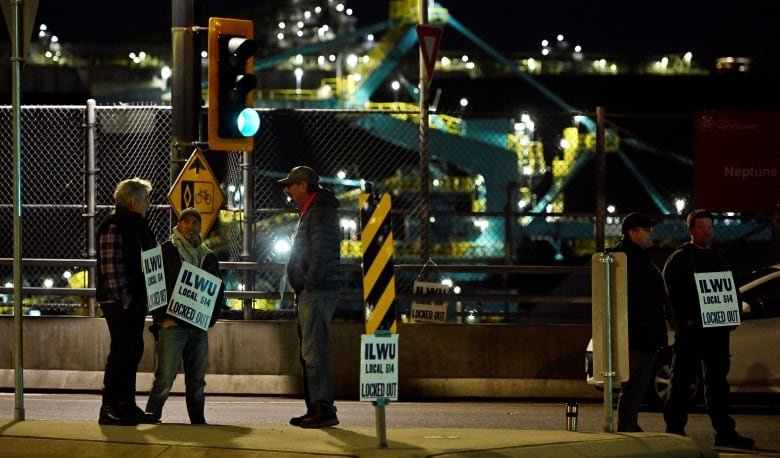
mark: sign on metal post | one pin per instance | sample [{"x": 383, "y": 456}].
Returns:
[
  {"x": 430, "y": 38},
  {"x": 378, "y": 273},
  {"x": 379, "y": 367},
  {"x": 197, "y": 187},
  {"x": 29, "y": 11},
  {"x": 610, "y": 324},
  {"x": 379, "y": 346}
]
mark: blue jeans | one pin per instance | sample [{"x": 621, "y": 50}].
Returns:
[
  {"x": 174, "y": 345},
  {"x": 313, "y": 312}
]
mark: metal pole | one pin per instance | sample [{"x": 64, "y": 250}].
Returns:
[
  {"x": 249, "y": 224},
  {"x": 185, "y": 84},
  {"x": 601, "y": 174},
  {"x": 425, "y": 224},
  {"x": 91, "y": 199},
  {"x": 381, "y": 423},
  {"x": 609, "y": 373},
  {"x": 16, "y": 91}
]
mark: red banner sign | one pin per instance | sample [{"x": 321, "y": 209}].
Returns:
[{"x": 737, "y": 161}]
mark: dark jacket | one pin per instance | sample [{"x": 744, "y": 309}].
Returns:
[
  {"x": 172, "y": 263},
  {"x": 136, "y": 237},
  {"x": 315, "y": 256},
  {"x": 646, "y": 299},
  {"x": 680, "y": 284}
]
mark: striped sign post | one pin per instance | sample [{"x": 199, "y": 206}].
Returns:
[
  {"x": 378, "y": 275},
  {"x": 378, "y": 381}
]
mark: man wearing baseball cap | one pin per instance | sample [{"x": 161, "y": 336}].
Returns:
[
  {"x": 646, "y": 324},
  {"x": 179, "y": 342},
  {"x": 315, "y": 275}
]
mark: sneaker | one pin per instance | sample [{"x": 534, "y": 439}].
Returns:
[
  {"x": 733, "y": 440},
  {"x": 319, "y": 419}
]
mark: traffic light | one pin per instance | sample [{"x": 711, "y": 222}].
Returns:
[{"x": 232, "y": 119}]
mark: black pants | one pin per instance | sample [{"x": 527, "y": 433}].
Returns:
[
  {"x": 709, "y": 350},
  {"x": 126, "y": 327}
]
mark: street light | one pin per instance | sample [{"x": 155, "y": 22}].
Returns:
[
  {"x": 298, "y": 76},
  {"x": 395, "y": 85}
]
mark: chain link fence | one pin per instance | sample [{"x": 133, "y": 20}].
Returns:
[{"x": 506, "y": 189}]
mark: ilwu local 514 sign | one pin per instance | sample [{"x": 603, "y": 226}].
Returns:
[
  {"x": 378, "y": 367},
  {"x": 717, "y": 299},
  {"x": 194, "y": 296},
  {"x": 154, "y": 273},
  {"x": 429, "y": 309}
]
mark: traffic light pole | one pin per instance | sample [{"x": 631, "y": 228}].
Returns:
[{"x": 185, "y": 84}]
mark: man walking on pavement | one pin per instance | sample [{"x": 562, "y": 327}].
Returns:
[{"x": 314, "y": 274}]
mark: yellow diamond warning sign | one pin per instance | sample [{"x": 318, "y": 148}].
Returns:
[{"x": 197, "y": 187}]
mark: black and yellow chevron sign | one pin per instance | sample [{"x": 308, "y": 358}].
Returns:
[{"x": 378, "y": 274}]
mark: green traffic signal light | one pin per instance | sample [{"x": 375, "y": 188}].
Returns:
[
  {"x": 248, "y": 122},
  {"x": 232, "y": 120}
]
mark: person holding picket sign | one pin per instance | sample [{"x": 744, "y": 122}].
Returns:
[
  {"x": 705, "y": 309},
  {"x": 196, "y": 296}
]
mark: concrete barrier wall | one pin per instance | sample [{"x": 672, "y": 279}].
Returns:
[{"x": 261, "y": 357}]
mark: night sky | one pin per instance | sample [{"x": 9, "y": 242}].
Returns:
[{"x": 708, "y": 29}]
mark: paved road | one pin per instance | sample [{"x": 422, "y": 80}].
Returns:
[{"x": 759, "y": 422}]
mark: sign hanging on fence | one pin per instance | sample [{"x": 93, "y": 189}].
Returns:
[
  {"x": 154, "y": 273},
  {"x": 378, "y": 367},
  {"x": 717, "y": 299},
  {"x": 429, "y": 309}
]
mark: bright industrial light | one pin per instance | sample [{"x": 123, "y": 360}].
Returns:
[
  {"x": 482, "y": 224},
  {"x": 341, "y": 174},
  {"x": 48, "y": 282},
  {"x": 447, "y": 282},
  {"x": 395, "y": 85},
  {"x": 464, "y": 102},
  {"x": 66, "y": 275},
  {"x": 679, "y": 205},
  {"x": 610, "y": 209},
  {"x": 559, "y": 37},
  {"x": 348, "y": 224},
  {"x": 282, "y": 25},
  {"x": 282, "y": 246},
  {"x": 166, "y": 72}
]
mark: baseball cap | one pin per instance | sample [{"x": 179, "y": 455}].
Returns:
[
  {"x": 636, "y": 219},
  {"x": 300, "y": 174},
  {"x": 190, "y": 211}
]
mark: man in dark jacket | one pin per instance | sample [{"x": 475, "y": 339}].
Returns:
[
  {"x": 178, "y": 340},
  {"x": 121, "y": 292},
  {"x": 694, "y": 345},
  {"x": 646, "y": 324},
  {"x": 314, "y": 274}
]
